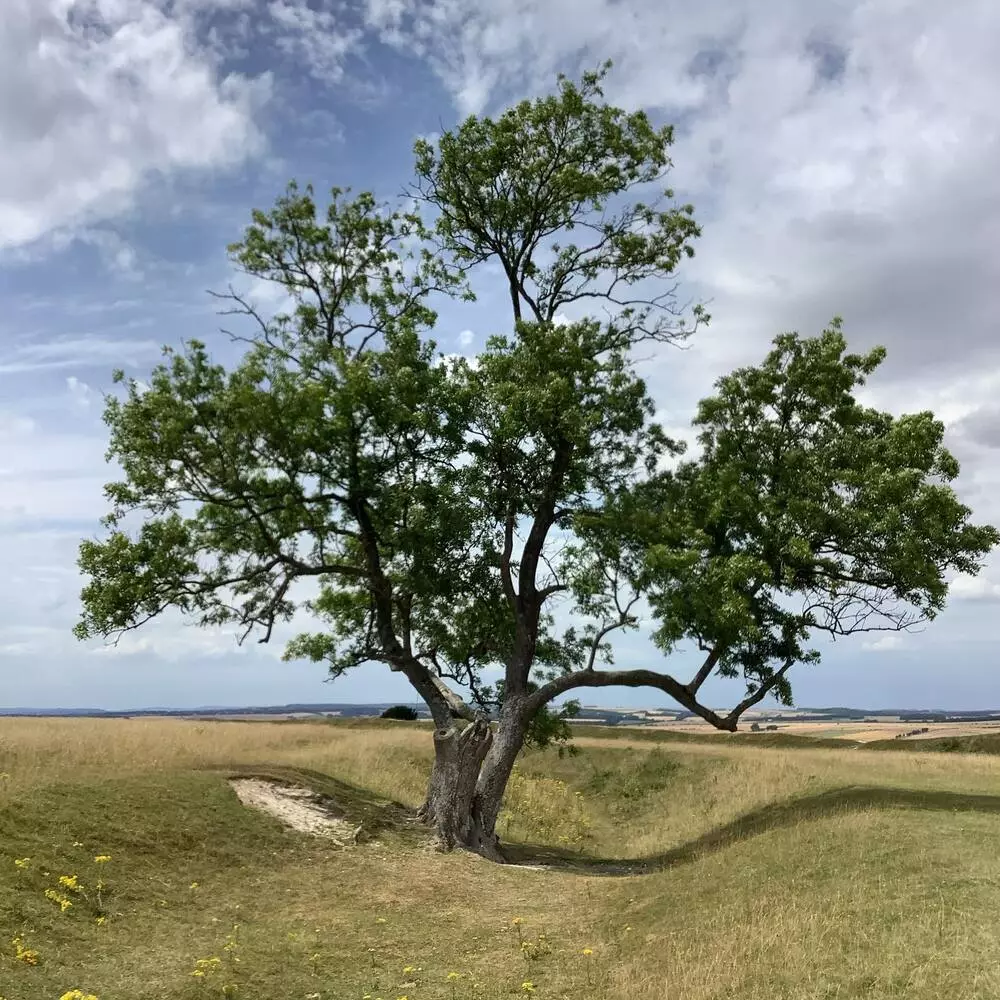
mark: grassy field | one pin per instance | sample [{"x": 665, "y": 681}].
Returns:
[
  {"x": 677, "y": 869},
  {"x": 854, "y": 732}
]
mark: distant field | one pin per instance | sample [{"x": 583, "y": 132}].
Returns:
[
  {"x": 692, "y": 869},
  {"x": 862, "y": 732}
]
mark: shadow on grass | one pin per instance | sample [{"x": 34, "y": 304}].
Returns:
[
  {"x": 378, "y": 814},
  {"x": 775, "y": 816}
]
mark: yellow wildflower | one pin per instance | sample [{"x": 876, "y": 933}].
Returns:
[
  {"x": 70, "y": 882},
  {"x": 77, "y": 995},
  {"x": 22, "y": 862},
  {"x": 452, "y": 976},
  {"x": 527, "y": 986},
  {"x": 206, "y": 966},
  {"x": 101, "y": 920},
  {"x": 64, "y": 902},
  {"x": 380, "y": 920},
  {"x": 517, "y": 921},
  {"x": 194, "y": 885},
  {"x": 102, "y": 859},
  {"x": 588, "y": 952},
  {"x": 24, "y": 954}
]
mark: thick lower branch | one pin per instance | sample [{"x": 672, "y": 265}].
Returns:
[
  {"x": 681, "y": 693},
  {"x": 443, "y": 703}
]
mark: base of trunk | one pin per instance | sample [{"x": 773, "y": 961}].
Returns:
[
  {"x": 467, "y": 833},
  {"x": 452, "y": 807}
]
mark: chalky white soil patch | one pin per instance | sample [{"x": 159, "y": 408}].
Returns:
[{"x": 298, "y": 808}]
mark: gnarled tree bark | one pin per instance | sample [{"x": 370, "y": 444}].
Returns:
[
  {"x": 468, "y": 779},
  {"x": 451, "y": 807}
]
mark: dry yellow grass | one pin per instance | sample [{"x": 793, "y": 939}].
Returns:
[
  {"x": 864, "y": 732},
  {"x": 798, "y": 874},
  {"x": 38, "y": 750}
]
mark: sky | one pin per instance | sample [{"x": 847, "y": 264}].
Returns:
[{"x": 843, "y": 158}]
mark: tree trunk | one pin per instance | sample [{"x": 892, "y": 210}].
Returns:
[
  {"x": 495, "y": 772},
  {"x": 468, "y": 779},
  {"x": 451, "y": 805}
]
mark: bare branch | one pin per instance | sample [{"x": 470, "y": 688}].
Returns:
[
  {"x": 681, "y": 693},
  {"x": 456, "y": 704},
  {"x": 704, "y": 670},
  {"x": 627, "y": 678}
]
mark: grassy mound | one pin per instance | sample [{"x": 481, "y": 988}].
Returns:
[{"x": 741, "y": 871}]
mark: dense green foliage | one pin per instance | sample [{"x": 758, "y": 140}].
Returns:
[
  {"x": 443, "y": 506},
  {"x": 404, "y": 713},
  {"x": 806, "y": 512}
]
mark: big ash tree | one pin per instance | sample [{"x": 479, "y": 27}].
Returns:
[{"x": 446, "y": 507}]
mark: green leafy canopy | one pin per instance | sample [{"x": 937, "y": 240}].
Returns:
[{"x": 442, "y": 507}]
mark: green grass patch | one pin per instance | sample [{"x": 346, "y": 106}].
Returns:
[
  {"x": 783, "y": 741},
  {"x": 679, "y": 871}
]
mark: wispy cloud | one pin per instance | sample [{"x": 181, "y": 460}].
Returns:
[
  {"x": 72, "y": 352},
  {"x": 884, "y": 643},
  {"x": 82, "y": 395},
  {"x": 316, "y": 37}
]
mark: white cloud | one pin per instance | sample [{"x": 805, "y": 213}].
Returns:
[
  {"x": 97, "y": 94},
  {"x": 14, "y": 426},
  {"x": 39, "y": 588},
  {"x": 843, "y": 157},
  {"x": 172, "y": 640},
  {"x": 18, "y": 640},
  {"x": 449, "y": 357},
  {"x": 884, "y": 643},
  {"x": 974, "y": 588},
  {"x": 316, "y": 38},
  {"x": 71, "y": 352},
  {"x": 268, "y": 296},
  {"x": 117, "y": 253},
  {"x": 80, "y": 393}
]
